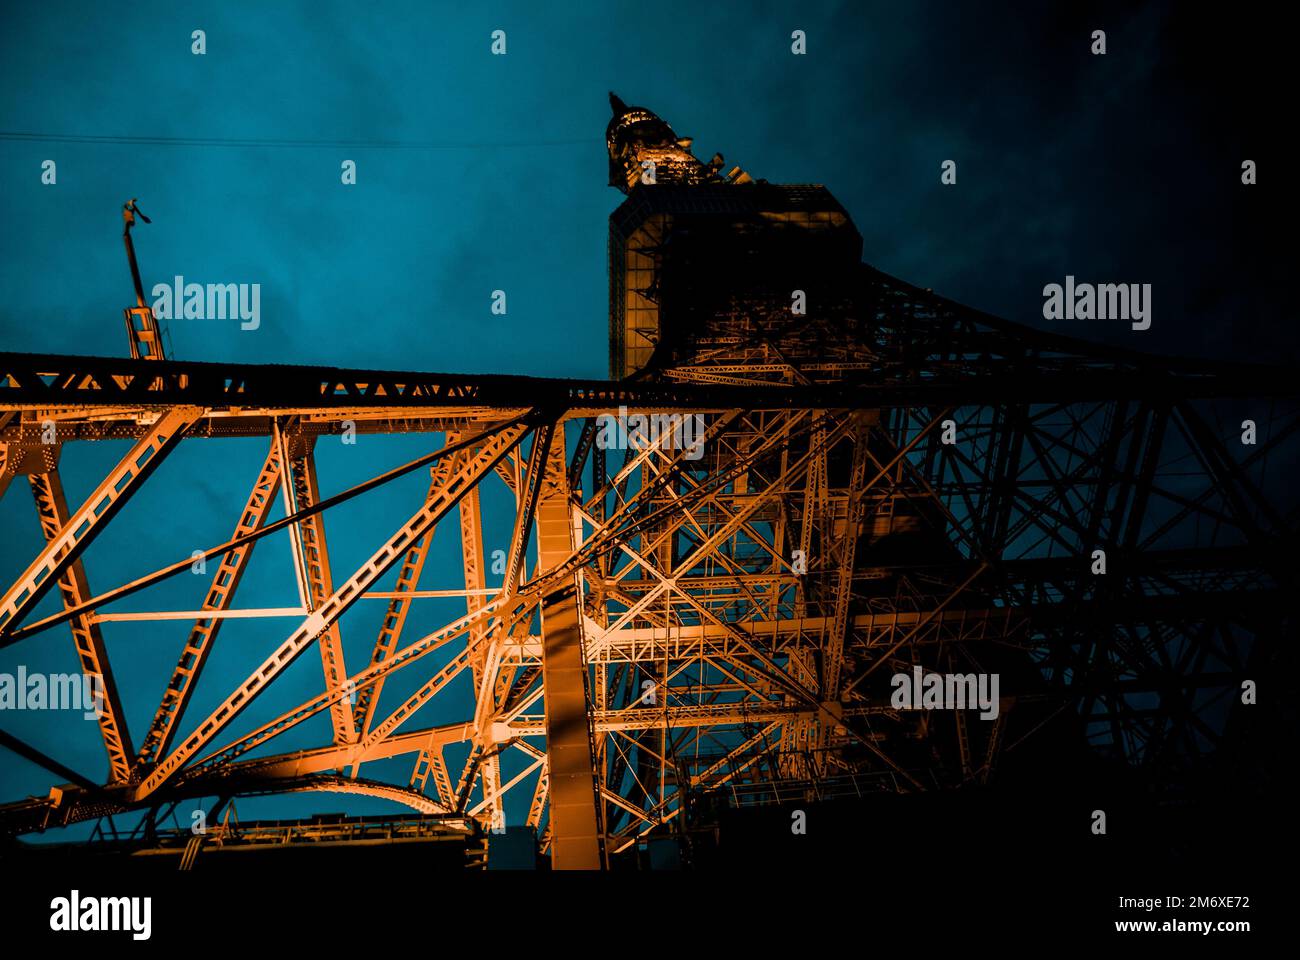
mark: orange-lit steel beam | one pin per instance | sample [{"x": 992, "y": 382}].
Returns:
[
  {"x": 492, "y": 798},
  {"x": 575, "y": 830},
  {"x": 47, "y": 489},
  {"x": 847, "y": 539},
  {"x": 22, "y": 456},
  {"x": 688, "y": 716},
  {"x": 540, "y": 792},
  {"x": 91, "y": 517},
  {"x": 527, "y": 505},
  {"x": 172, "y": 569},
  {"x": 431, "y": 764},
  {"x": 399, "y": 606},
  {"x": 320, "y": 583},
  {"x": 483, "y": 460},
  {"x": 489, "y": 692},
  {"x": 321, "y": 759},
  {"x": 407, "y": 656},
  {"x": 485, "y": 651},
  {"x": 670, "y": 806},
  {"x": 526, "y": 494},
  {"x": 203, "y": 634},
  {"x": 422, "y": 696}
]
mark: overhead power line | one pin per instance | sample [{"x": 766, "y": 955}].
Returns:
[{"x": 19, "y": 136}]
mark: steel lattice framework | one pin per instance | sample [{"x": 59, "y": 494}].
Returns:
[{"x": 674, "y": 621}]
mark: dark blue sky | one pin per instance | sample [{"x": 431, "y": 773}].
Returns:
[{"x": 1122, "y": 168}]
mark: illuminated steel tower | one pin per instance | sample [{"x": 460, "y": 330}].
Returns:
[
  {"x": 805, "y": 480},
  {"x": 975, "y": 557}
]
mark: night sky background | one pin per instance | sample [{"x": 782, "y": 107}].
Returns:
[{"x": 1117, "y": 168}]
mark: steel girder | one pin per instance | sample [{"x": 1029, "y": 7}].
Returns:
[{"x": 681, "y": 573}]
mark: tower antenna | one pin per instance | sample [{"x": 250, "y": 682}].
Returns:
[{"x": 141, "y": 325}]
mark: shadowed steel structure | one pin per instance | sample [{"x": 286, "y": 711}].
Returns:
[{"x": 804, "y": 478}]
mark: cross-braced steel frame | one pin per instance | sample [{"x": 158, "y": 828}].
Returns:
[{"x": 670, "y": 622}]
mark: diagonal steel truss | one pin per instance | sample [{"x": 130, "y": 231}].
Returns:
[{"x": 654, "y": 637}]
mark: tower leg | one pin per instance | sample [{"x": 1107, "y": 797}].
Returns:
[{"x": 575, "y": 834}]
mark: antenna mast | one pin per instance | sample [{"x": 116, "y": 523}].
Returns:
[{"x": 141, "y": 325}]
